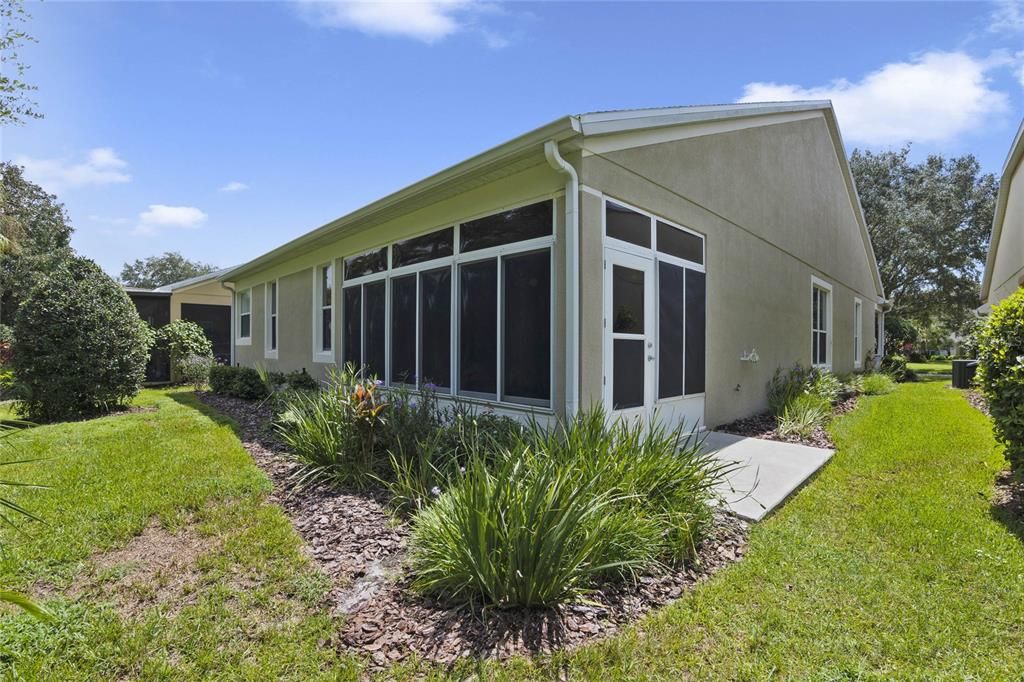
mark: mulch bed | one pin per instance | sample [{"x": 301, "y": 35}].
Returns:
[
  {"x": 977, "y": 400},
  {"x": 361, "y": 547},
  {"x": 763, "y": 426}
]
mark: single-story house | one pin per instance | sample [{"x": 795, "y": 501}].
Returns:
[
  {"x": 203, "y": 300},
  {"x": 1004, "y": 269},
  {"x": 653, "y": 261}
]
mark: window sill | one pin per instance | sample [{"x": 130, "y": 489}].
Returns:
[
  {"x": 270, "y": 354},
  {"x": 323, "y": 358},
  {"x": 243, "y": 342}
]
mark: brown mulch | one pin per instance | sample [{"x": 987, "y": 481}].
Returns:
[
  {"x": 977, "y": 400},
  {"x": 764, "y": 426},
  {"x": 362, "y": 549},
  {"x": 1008, "y": 500}
]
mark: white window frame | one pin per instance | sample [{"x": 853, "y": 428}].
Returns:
[
  {"x": 239, "y": 339},
  {"x": 453, "y": 262},
  {"x": 319, "y": 354},
  {"x": 652, "y": 252},
  {"x": 818, "y": 283},
  {"x": 272, "y": 314},
  {"x": 858, "y": 333}
]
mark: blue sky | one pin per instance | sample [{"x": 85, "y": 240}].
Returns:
[{"x": 222, "y": 130}]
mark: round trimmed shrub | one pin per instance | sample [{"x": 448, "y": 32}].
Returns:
[
  {"x": 1001, "y": 373},
  {"x": 82, "y": 348},
  {"x": 183, "y": 339}
]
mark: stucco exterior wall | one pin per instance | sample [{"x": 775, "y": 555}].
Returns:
[
  {"x": 295, "y": 285},
  {"x": 208, "y": 293},
  {"x": 774, "y": 209},
  {"x": 1008, "y": 268}
]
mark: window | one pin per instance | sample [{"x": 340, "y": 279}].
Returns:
[
  {"x": 626, "y": 224},
  {"x": 323, "y": 310},
  {"x": 696, "y": 321},
  {"x": 671, "y": 330},
  {"x": 858, "y": 346},
  {"x": 821, "y": 323},
  {"x": 437, "y": 316},
  {"x": 244, "y": 302},
  {"x": 680, "y": 243},
  {"x": 271, "y": 322}
]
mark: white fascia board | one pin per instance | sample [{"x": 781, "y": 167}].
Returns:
[{"x": 1013, "y": 160}]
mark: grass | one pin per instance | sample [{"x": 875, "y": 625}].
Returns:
[
  {"x": 251, "y": 613},
  {"x": 889, "y": 564},
  {"x": 931, "y": 367}
]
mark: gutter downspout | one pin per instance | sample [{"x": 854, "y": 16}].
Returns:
[
  {"x": 230, "y": 286},
  {"x": 572, "y": 271}
]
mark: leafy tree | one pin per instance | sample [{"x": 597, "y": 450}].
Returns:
[
  {"x": 15, "y": 104},
  {"x": 929, "y": 225},
  {"x": 157, "y": 271},
  {"x": 898, "y": 332},
  {"x": 36, "y": 236}
]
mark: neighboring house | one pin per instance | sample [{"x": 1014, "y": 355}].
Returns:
[
  {"x": 1004, "y": 269},
  {"x": 649, "y": 260},
  {"x": 203, "y": 300}
]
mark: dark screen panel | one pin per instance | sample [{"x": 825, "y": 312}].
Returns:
[
  {"x": 515, "y": 225},
  {"x": 627, "y": 300},
  {"x": 352, "y": 333},
  {"x": 374, "y": 324},
  {"x": 403, "y": 330},
  {"x": 366, "y": 263},
  {"x": 435, "y": 327},
  {"x": 628, "y": 373},
  {"x": 478, "y": 327},
  {"x": 627, "y": 225},
  {"x": 527, "y": 326},
  {"x": 670, "y": 330},
  {"x": 423, "y": 248},
  {"x": 679, "y": 243},
  {"x": 695, "y": 324}
]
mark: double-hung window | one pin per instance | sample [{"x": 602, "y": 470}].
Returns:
[
  {"x": 821, "y": 323},
  {"x": 464, "y": 309},
  {"x": 323, "y": 313},
  {"x": 243, "y": 302},
  {"x": 858, "y": 343},
  {"x": 270, "y": 306}
]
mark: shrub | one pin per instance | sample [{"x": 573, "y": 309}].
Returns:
[
  {"x": 544, "y": 519},
  {"x": 6, "y": 353},
  {"x": 195, "y": 370},
  {"x": 878, "y": 384},
  {"x": 6, "y": 334},
  {"x": 825, "y": 385},
  {"x": 82, "y": 348},
  {"x": 917, "y": 356},
  {"x": 1001, "y": 373},
  {"x": 238, "y": 382},
  {"x": 300, "y": 380},
  {"x": 803, "y": 416},
  {"x": 898, "y": 333},
  {"x": 183, "y": 339},
  {"x": 784, "y": 387},
  {"x": 896, "y": 367},
  {"x": 852, "y": 384}
]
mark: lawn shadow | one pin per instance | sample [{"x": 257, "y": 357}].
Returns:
[
  {"x": 191, "y": 400},
  {"x": 1008, "y": 502}
]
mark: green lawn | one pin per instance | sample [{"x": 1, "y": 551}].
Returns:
[
  {"x": 888, "y": 565},
  {"x": 931, "y": 367}
]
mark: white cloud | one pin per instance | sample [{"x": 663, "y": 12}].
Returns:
[
  {"x": 234, "y": 186},
  {"x": 1008, "y": 17},
  {"x": 161, "y": 215},
  {"x": 101, "y": 166},
  {"x": 425, "y": 20},
  {"x": 934, "y": 98}
]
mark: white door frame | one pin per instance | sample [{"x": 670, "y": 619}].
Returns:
[{"x": 646, "y": 265}]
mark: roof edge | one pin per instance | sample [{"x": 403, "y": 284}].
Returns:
[{"x": 1013, "y": 159}]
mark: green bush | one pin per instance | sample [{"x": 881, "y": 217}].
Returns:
[
  {"x": 896, "y": 367},
  {"x": 878, "y": 384},
  {"x": 183, "y": 339},
  {"x": 82, "y": 348},
  {"x": 825, "y": 385},
  {"x": 852, "y": 384},
  {"x": 1001, "y": 373},
  {"x": 6, "y": 334},
  {"x": 803, "y": 416},
  {"x": 195, "y": 370},
  {"x": 238, "y": 382},
  {"x": 785, "y": 386},
  {"x": 541, "y": 521}
]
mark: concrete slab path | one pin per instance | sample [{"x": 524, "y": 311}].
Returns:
[{"x": 769, "y": 471}]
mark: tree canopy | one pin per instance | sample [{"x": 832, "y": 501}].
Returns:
[
  {"x": 929, "y": 224},
  {"x": 15, "y": 103},
  {"x": 157, "y": 271},
  {"x": 36, "y": 232}
]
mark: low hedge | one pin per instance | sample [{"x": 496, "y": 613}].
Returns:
[
  {"x": 1001, "y": 373},
  {"x": 238, "y": 382}
]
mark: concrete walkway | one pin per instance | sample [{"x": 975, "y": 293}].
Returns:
[{"x": 769, "y": 471}]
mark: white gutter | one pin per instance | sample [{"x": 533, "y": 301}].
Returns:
[{"x": 572, "y": 277}]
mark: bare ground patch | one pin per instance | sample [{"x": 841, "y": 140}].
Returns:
[{"x": 362, "y": 549}]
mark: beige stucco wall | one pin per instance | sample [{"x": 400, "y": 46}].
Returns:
[
  {"x": 208, "y": 293},
  {"x": 1008, "y": 268},
  {"x": 774, "y": 208},
  {"x": 295, "y": 302}
]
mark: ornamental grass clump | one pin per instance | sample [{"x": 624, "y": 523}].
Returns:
[
  {"x": 877, "y": 384},
  {"x": 538, "y": 523}
]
